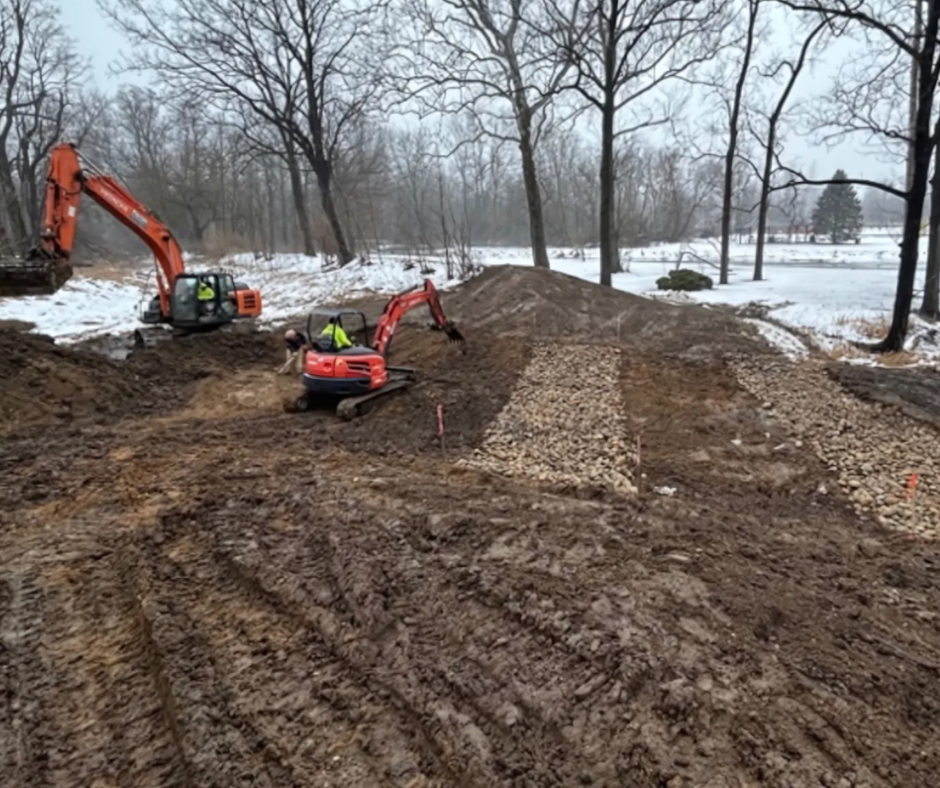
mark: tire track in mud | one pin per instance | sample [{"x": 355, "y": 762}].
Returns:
[
  {"x": 81, "y": 700},
  {"x": 20, "y": 627},
  {"x": 492, "y": 719},
  {"x": 266, "y": 661},
  {"x": 659, "y": 682}
]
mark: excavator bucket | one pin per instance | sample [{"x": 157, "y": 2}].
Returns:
[
  {"x": 453, "y": 335},
  {"x": 36, "y": 276}
]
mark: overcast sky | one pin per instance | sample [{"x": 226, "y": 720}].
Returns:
[{"x": 97, "y": 41}]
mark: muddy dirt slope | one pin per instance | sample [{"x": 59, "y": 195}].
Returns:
[{"x": 41, "y": 381}]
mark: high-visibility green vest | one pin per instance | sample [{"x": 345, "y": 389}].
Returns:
[{"x": 339, "y": 336}]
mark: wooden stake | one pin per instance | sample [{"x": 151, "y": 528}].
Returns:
[{"x": 440, "y": 425}]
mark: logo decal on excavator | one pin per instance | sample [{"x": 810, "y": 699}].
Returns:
[
  {"x": 116, "y": 201},
  {"x": 138, "y": 218}
]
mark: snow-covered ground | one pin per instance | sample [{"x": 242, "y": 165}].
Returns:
[{"x": 831, "y": 295}]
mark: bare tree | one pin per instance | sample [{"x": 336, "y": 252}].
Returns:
[
  {"x": 794, "y": 69},
  {"x": 279, "y": 143},
  {"x": 882, "y": 20},
  {"x": 489, "y": 56},
  {"x": 734, "y": 112},
  {"x": 623, "y": 53},
  {"x": 300, "y": 66},
  {"x": 40, "y": 81}
]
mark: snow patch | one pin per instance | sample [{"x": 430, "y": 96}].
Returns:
[{"x": 780, "y": 338}]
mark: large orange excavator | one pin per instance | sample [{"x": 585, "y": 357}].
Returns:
[
  {"x": 188, "y": 301},
  {"x": 357, "y": 376}
]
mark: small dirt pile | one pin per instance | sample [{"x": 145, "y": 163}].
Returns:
[
  {"x": 184, "y": 359},
  {"x": 39, "y": 380},
  {"x": 541, "y": 303}
]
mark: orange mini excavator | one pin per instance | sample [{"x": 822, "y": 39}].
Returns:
[
  {"x": 187, "y": 301},
  {"x": 357, "y": 376}
]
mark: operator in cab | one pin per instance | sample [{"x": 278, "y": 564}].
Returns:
[
  {"x": 205, "y": 295},
  {"x": 335, "y": 330},
  {"x": 297, "y": 347}
]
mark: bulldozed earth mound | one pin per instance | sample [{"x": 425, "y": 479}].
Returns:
[
  {"x": 41, "y": 381},
  {"x": 543, "y": 303}
]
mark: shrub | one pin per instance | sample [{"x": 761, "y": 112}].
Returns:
[{"x": 684, "y": 279}]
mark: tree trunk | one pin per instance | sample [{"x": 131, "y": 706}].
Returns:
[
  {"x": 270, "y": 235},
  {"x": 332, "y": 216},
  {"x": 733, "y": 145},
  {"x": 6, "y": 248},
  {"x": 19, "y": 235},
  {"x": 930, "y": 307},
  {"x": 300, "y": 205},
  {"x": 916, "y": 196},
  {"x": 607, "y": 194},
  {"x": 608, "y": 111},
  {"x": 764, "y": 208},
  {"x": 533, "y": 196},
  {"x": 724, "y": 255}
]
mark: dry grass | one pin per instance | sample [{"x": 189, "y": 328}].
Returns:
[
  {"x": 903, "y": 358},
  {"x": 871, "y": 327}
]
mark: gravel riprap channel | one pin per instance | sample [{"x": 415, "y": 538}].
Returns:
[
  {"x": 564, "y": 423},
  {"x": 874, "y": 449}
]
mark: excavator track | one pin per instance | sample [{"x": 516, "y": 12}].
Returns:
[
  {"x": 400, "y": 379},
  {"x": 351, "y": 407}
]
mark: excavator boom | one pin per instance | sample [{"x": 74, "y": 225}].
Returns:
[{"x": 47, "y": 266}]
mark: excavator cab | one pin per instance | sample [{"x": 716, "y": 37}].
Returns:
[
  {"x": 199, "y": 302},
  {"x": 352, "y": 322}
]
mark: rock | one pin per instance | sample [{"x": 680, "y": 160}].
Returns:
[
  {"x": 590, "y": 685},
  {"x": 870, "y": 548}
]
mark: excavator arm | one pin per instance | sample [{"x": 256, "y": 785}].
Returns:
[
  {"x": 67, "y": 180},
  {"x": 48, "y": 266},
  {"x": 399, "y": 305}
]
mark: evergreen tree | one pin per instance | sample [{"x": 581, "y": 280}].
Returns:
[{"x": 838, "y": 211}]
